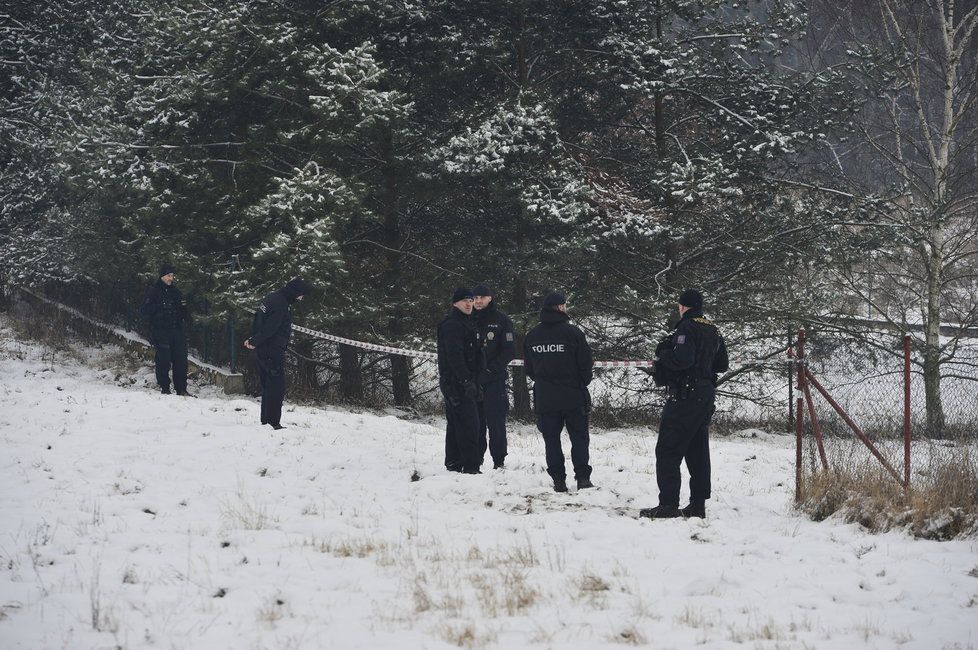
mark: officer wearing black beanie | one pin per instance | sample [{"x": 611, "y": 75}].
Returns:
[
  {"x": 558, "y": 359},
  {"x": 687, "y": 363},
  {"x": 460, "y": 362},
  {"x": 163, "y": 305},
  {"x": 498, "y": 341}
]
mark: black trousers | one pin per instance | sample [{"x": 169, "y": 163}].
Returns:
[
  {"x": 462, "y": 450},
  {"x": 271, "y": 374},
  {"x": 684, "y": 434},
  {"x": 171, "y": 351},
  {"x": 550, "y": 425},
  {"x": 492, "y": 420}
]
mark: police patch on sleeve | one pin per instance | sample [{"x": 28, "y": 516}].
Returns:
[
  {"x": 680, "y": 339},
  {"x": 491, "y": 335}
]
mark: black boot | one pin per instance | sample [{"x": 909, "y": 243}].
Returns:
[
  {"x": 276, "y": 426},
  {"x": 471, "y": 470},
  {"x": 584, "y": 484},
  {"x": 560, "y": 485},
  {"x": 165, "y": 391},
  {"x": 660, "y": 512},
  {"x": 696, "y": 508}
]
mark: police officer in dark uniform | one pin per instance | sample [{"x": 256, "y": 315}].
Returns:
[
  {"x": 558, "y": 359},
  {"x": 497, "y": 338},
  {"x": 166, "y": 310},
  {"x": 459, "y": 366},
  {"x": 687, "y": 362},
  {"x": 271, "y": 330}
]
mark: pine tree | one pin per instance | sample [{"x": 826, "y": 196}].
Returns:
[{"x": 62, "y": 204}]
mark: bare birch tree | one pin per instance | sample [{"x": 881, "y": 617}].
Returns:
[{"x": 915, "y": 144}]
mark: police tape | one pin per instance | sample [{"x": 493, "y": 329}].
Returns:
[
  {"x": 374, "y": 347},
  {"x": 432, "y": 356}
]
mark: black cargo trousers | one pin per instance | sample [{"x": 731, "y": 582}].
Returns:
[
  {"x": 271, "y": 374},
  {"x": 684, "y": 434},
  {"x": 492, "y": 420},
  {"x": 171, "y": 351}
]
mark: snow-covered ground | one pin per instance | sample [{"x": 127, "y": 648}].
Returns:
[{"x": 133, "y": 519}]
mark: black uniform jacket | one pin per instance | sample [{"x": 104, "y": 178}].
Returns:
[
  {"x": 697, "y": 352},
  {"x": 271, "y": 327},
  {"x": 559, "y": 360},
  {"x": 163, "y": 305},
  {"x": 498, "y": 341},
  {"x": 459, "y": 354}
]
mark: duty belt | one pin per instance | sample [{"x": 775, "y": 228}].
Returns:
[{"x": 685, "y": 389}]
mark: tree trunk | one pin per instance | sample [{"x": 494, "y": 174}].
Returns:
[
  {"x": 932, "y": 338},
  {"x": 522, "y": 404},
  {"x": 401, "y": 376},
  {"x": 4, "y": 299},
  {"x": 351, "y": 376},
  {"x": 306, "y": 376},
  {"x": 400, "y": 366},
  {"x": 660, "y": 120}
]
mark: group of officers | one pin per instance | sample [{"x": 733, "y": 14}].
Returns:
[
  {"x": 271, "y": 328},
  {"x": 476, "y": 343}
]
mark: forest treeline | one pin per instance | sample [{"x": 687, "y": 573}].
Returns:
[{"x": 798, "y": 162}]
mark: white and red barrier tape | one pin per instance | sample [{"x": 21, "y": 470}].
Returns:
[
  {"x": 431, "y": 356},
  {"x": 366, "y": 346}
]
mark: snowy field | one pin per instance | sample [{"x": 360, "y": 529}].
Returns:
[{"x": 131, "y": 519}]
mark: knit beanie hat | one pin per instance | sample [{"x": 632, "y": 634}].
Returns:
[
  {"x": 482, "y": 290},
  {"x": 462, "y": 294},
  {"x": 691, "y": 298},
  {"x": 554, "y": 298}
]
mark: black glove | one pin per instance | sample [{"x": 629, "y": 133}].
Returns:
[
  {"x": 470, "y": 389},
  {"x": 664, "y": 344}
]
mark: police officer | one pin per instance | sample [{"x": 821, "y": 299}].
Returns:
[
  {"x": 687, "y": 363},
  {"x": 459, "y": 366},
  {"x": 164, "y": 306},
  {"x": 497, "y": 339},
  {"x": 271, "y": 330},
  {"x": 558, "y": 359}
]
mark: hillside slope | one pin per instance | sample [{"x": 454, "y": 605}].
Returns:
[{"x": 134, "y": 519}]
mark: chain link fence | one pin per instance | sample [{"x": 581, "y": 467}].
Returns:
[
  {"x": 865, "y": 374},
  {"x": 862, "y": 372}
]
